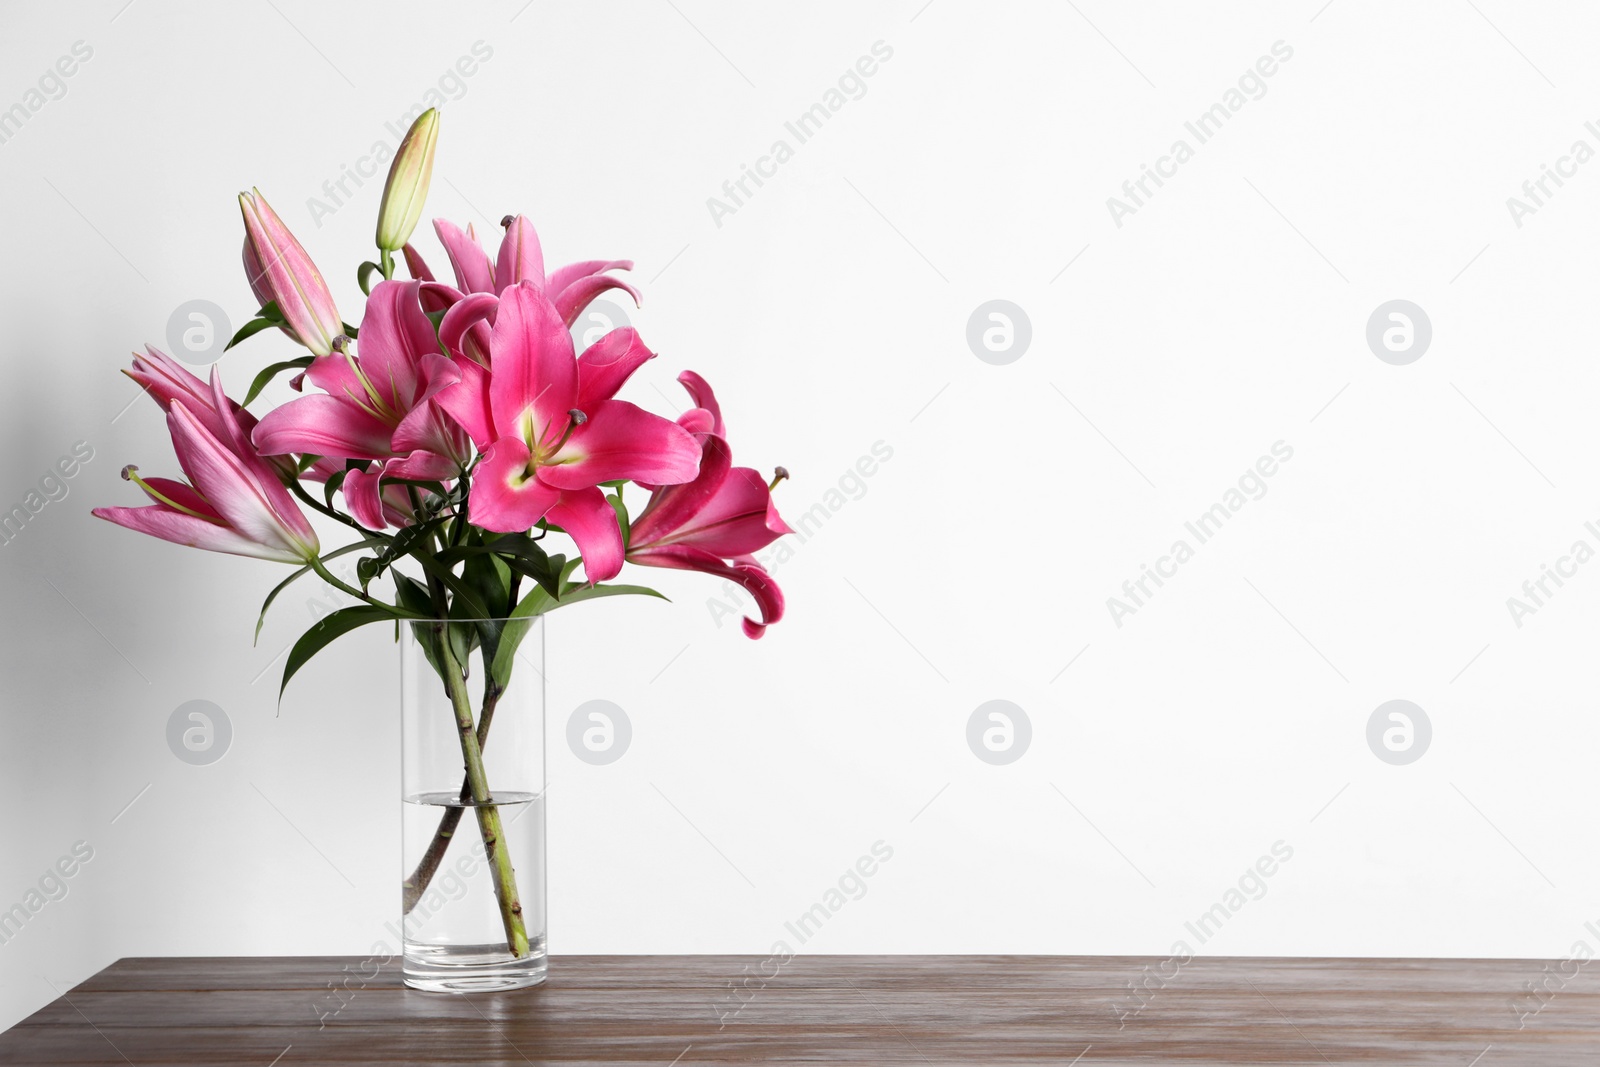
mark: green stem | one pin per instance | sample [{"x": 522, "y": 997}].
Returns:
[
  {"x": 414, "y": 887},
  {"x": 316, "y": 564},
  {"x": 489, "y": 823}
]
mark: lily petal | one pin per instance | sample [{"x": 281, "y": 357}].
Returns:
[
  {"x": 698, "y": 421},
  {"x": 700, "y": 392},
  {"x": 589, "y": 519},
  {"x": 157, "y": 520},
  {"x": 422, "y": 466},
  {"x": 363, "y": 496},
  {"x": 323, "y": 426},
  {"x": 463, "y": 330},
  {"x": 426, "y": 426},
  {"x": 395, "y": 336},
  {"x": 335, "y": 374},
  {"x": 228, "y": 428},
  {"x": 467, "y": 402},
  {"x": 562, "y": 277},
  {"x": 623, "y": 441},
  {"x": 182, "y": 494},
  {"x": 534, "y": 379},
  {"x": 574, "y": 298},
  {"x": 521, "y": 258},
  {"x": 740, "y": 518},
  {"x": 474, "y": 273},
  {"x": 166, "y": 380},
  {"x": 505, "y": 497},
  {"x": 437, "y": 296},
  {"x": 416, "y": 265},
  {"x": 674, "y": 506},
  {"x": 607, "y": 364},
  {"x": 748, "y": 574},
  {"x": 242, "y": 489}
]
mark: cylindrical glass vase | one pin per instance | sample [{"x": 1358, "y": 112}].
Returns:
[{"x": 472, "y": 793}]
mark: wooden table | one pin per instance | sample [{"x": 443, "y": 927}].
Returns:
[{"x": 925, "y": 1010}]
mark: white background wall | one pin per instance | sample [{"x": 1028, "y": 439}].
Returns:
[{"x": 830, "y": 310}]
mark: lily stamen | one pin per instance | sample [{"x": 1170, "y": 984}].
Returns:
[
  {"x": 376, "y": 407},
  {"x": 130, "y": 473},
  {"x": 577, "y": 418}
]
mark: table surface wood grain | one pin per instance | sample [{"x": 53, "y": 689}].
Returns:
[{"x": 925, "y": 1010}]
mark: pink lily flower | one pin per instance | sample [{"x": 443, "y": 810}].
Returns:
[
  {"x": 521, "y": 259},
  {"x": 280, "y": 271},
  {"x": 718, "y": 521},
  {"x": 551, "y": 431},
  {"x": 378, "y": 404},
  {"x": 234, "y": 501},
  {"x": 166, "y": 380}
]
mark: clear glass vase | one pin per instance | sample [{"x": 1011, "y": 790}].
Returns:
[{"x": 472, "y": 792}]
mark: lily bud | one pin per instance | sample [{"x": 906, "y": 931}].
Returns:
[
  {"x": 278, "y": 268},
  {"x": 407, "y": 187}
]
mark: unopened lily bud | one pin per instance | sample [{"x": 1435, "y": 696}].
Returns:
[
  {"x": 279, "y": 268},
  {"x": 407, "y": 187}
]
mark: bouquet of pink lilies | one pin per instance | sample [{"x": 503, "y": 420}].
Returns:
[{"x": 454, "y": 430}]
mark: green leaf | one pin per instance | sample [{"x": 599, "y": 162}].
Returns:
[
  {"x": 594, "y": 592},
  {"x": 326, "y": 632},
  {"x": 269, "y": 315},
  {"x": 537, "y": 603},
  {"x": 490, "y": 578},
  {"x": 623, "y": 521},
  {"x": 518, "y": 552},
  {"x": 567, "y": 568},
  {"x": 364, "y": 277},
  {"x": 349, "y": 330},
  {"x": 463, "y": 639},
  {"x": 414, "y": 596},
  {"x": 334, "y": 483},
  {"x": 250, "y": 329},
  {"x": 474, "y": 608},
  {"x": 271, "y": 372},
  {"x": 403, "y": 542},
  {"x": 544, "y": 575}
]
